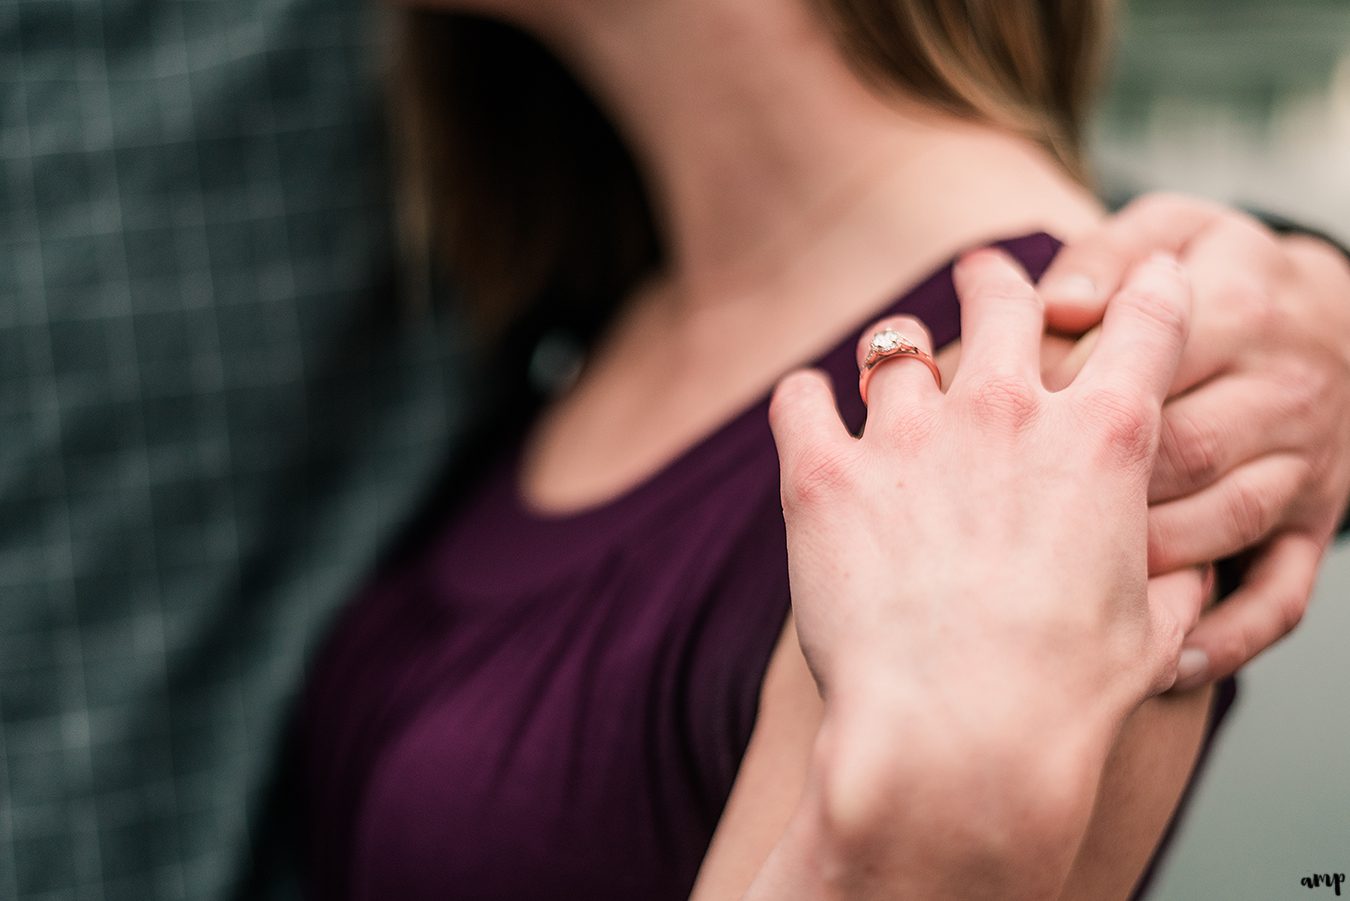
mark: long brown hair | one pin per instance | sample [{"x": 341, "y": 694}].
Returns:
[{"x": 517, "y": 183}]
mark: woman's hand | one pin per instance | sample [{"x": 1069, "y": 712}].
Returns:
[
  {"x": 970, "y": 583},
  {"x": 1256, "y": 436}
]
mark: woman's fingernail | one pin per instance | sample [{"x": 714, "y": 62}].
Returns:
[
  {"x": 1071, "y": 288},
  {"x": 1192, "y": 667}
]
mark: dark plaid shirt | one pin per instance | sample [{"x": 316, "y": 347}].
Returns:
[{"x": 213, "y": 416}]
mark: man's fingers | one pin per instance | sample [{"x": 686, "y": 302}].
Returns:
[
  {"x": 1214, "y": 428},
  {"x": 1143, "y": 333},
  {"x": 1091, "y": 269},
  {"x": 812, "y": 441},
  {"x": 1226, "y": 518},
  {"x": 1180, "y": 594},
  {"x": 1271, "y": 601},
  {"x": 1233, "y": 303},
  {"x": 1002, "y": 319},
  {"x": 1175, "y": 600}
]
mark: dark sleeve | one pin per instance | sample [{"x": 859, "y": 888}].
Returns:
[{"x": 1282, "y": 226}]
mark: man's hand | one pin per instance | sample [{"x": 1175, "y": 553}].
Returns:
[{"x": 1256, "y": 434}]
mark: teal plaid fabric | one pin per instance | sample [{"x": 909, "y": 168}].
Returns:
[{"x": 214, "y": 415}]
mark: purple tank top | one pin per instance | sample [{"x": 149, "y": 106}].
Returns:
[{"x": 556, "y": 706}]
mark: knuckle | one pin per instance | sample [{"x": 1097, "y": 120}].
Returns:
[
  {"x": 1258, "y": 236},
  {"x": 912, "y": 425},
  {"x": 1108, "y": 250},
  {"x": 1249, "y": 299},
  {"x": 1315, "y": 261},
  {"x": 1251, "y": 511},
  {"x": 1303, "y": 391},
  {"x": 1321, "y": 384},
  {"x": 1175, "y": 635},
  {"x": 1126, "y": 424},
  {"x": 1318, "y": 384},
  {"x": 1191, "y": 448},
  {"x": 1169, "y": 638},
  {"x": 1290, "y": 607},
  {"x": 823, "y": 475},
  {"x": 1160, "y": 543},
  {"x": 1232, "y": 649},
  {"x": 791, "y": 393},
  {"x": 794, "y": 407},
  {"x": 1165, "y": 634},
  {"x": 1007, "y": 401},
  {"x": 1164, "y": 310}
]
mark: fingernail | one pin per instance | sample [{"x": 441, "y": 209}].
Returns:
[
  {"x": 1071, "y": 288},
  {"x": 1207, "y": 581},
  {"x": 1191, "y": 669}
]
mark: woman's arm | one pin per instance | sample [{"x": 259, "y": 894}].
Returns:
[
  {"x": 1241, "y": 275},
  {"x": 1144, "y": 777},
  {"x": 973, "y": 571},
  {"x": 972, "y": 704}
]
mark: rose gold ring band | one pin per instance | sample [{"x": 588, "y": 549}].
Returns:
[{"x": 889, "y": 344}]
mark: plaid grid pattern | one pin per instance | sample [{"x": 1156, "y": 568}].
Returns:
[{"x": 213, "y": 416}]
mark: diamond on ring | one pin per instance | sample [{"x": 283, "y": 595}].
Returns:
[
  {"x": 887, "y": 340},
  {"x": 888, "y": 344}
]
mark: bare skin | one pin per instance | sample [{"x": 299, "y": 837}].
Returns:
[
  {"x": 794, "y": 203},
  {"x": 767, "y": 274},
  {"x": 1256, "y": 443},
  {"x": 1008, "y": 678},
  {"x": 1148, "y": 768}
]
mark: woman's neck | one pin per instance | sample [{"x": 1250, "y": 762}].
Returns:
[
  {"x": 793, "y": 203},
  {"x": 769, "y": 159}
]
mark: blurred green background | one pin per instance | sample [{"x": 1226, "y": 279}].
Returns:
[
  {"x": 1245, "y": 100},
  {"x": 1249, "y": 101}
]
